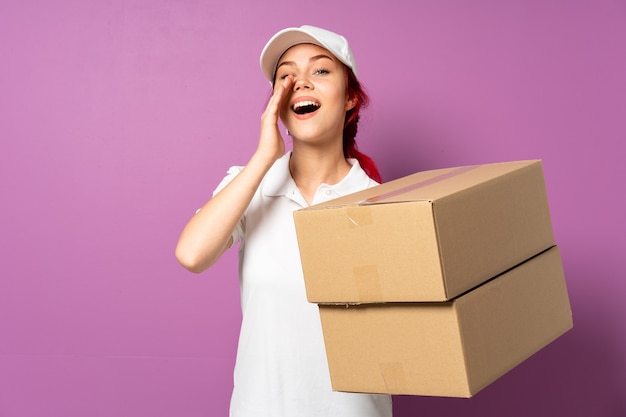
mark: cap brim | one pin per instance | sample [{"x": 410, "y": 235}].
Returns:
[{"x": 279, "y": 43}]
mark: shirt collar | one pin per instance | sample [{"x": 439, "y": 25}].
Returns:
[
  {"x": 278, "y": 180},
  {"x": 354, "y": 181}
]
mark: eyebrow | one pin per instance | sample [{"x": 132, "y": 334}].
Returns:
[{"x": 312, "y": 59}]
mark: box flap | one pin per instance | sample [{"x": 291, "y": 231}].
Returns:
[{"x": 426, "y": 185}]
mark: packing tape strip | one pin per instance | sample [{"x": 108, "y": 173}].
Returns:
[
  {"x": 393, "y": 376},
  {"x": 433, "y": 180},
  {"x": 367, "y": 283},
  {"x": 358, "y": 216}
]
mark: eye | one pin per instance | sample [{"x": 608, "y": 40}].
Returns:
[{"x": 321, "y": 71}]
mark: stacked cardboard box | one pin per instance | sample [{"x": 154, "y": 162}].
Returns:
[{"x": 437, "y": 283}]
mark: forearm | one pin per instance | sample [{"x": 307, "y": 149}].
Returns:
[{"x": 208, "y": 233}]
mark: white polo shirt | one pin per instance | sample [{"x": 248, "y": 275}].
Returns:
[{"x": 281, "y": 368}]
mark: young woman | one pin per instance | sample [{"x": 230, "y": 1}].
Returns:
[{"x": 281, "y": 367}]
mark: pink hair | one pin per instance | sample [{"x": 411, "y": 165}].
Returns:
[{"x": 350, "y": 150}]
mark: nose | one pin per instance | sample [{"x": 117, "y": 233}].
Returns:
[{"x": 302, "y": 82}]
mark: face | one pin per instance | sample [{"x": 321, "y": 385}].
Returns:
[{"x": 315, "y": 108}]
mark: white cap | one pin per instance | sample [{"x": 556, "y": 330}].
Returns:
[{"x": 286, "y": 38}]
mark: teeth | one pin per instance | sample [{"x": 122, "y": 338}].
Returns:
[{"x": 304, "y": 103}]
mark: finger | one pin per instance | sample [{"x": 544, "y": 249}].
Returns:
[{"x": 280, "y": 91}]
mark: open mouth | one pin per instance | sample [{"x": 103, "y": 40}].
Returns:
[{"x": 305, "y": 107}]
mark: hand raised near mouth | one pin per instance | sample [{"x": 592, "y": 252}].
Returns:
[{"x": 271, "y": 142}]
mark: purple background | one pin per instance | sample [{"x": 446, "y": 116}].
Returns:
[{"x": 118, "y": 118}]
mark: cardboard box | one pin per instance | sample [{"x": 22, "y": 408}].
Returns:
[
  {"x": 454, "y": 348},
  {"x": 429, "y": 236}
]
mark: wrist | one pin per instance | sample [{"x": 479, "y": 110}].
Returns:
[{"x": 263, "y": 160}]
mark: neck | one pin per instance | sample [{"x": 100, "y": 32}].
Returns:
[{"x": 312, "y": 166}]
